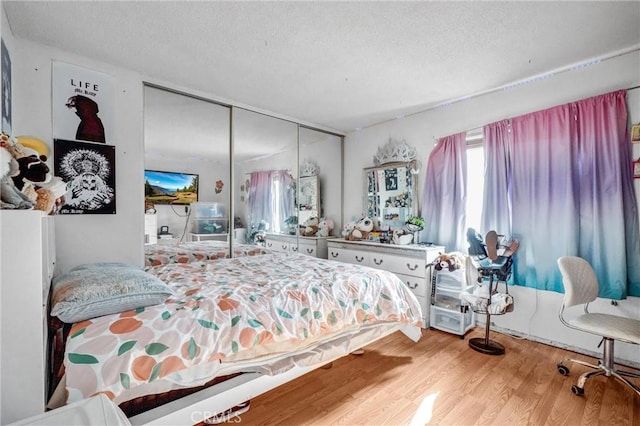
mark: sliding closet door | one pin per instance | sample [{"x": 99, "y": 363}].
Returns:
[
  {"x": 320, "y": 163},
  {"x": 265, "y": 159},
  {"x": 187, "y": 159}
]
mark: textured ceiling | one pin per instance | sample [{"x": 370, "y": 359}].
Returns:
[{"x": 342, "y": 65}]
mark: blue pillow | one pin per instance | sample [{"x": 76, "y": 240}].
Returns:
[{"x": 92, "y": 292}]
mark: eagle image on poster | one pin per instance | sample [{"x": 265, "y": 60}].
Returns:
[{"x": 82, "y": 104}]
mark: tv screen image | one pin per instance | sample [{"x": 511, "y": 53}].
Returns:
[{"x": 170, "y": 187}]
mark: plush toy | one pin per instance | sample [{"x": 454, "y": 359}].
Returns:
[
  {"x": 449, "y": 261},
  {"x": 361, "y": 230},
  {"x": 10, "y": 196},
  {"x": 325, "y": 227},
  {"x": 309, "y": 227},
  {"x": 33, "y": 178}
]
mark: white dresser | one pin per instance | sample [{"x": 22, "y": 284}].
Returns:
[
  {"x": 311, "y": 246},
  {"x": 27, "y": 262},
  {"x": 408, "y": 262}
]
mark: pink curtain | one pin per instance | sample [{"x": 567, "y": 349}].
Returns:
[
  {"x": 559, "y": 180},
  {"x": 444, "y": 199}
]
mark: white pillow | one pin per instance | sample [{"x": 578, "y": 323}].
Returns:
[{"x": 104, "y": 289}]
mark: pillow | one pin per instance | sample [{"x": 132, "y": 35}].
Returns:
[{"x": 88, "y": 293}]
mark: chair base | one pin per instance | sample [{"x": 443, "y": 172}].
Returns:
[
  {"x": 605, "y": 367},
  {"x": 486, "y": 346}
]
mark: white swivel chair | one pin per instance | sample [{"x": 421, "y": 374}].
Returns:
[{"x": 581, "y": 287}]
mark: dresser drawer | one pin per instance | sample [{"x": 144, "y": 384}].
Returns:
[
  {"x": 278, "y": 245},
  {"x": 349, "y": 256},
  {"x": 417, "y": 285},
  {"x": 308, "y": 249},
  {"x": 399, "y": 264}
]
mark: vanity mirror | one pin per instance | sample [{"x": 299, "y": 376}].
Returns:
[
  {"x": 308, "y": 198},
  {"x": 390, "y": 186}
]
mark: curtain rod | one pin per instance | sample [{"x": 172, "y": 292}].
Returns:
[
  {"x": 479, "y": 128},
  {"x": 517, "y": 83}
]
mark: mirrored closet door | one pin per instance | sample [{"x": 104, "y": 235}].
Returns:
[
  {"x": 265, "y": 160},
  {"x": 187, "y": 168}
]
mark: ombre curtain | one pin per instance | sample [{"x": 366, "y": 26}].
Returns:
[
  {"x": 444, "y": 199},
  {"x": 285, "y": 202},
  {"x": 271, "y": 199},
  {"x": 259, "y": 199},
  {"x": 559, "y": 180}
]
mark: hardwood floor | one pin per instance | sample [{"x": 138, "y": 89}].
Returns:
[{"x": 441, "y": 381}]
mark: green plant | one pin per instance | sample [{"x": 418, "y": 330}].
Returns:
[
  {"x": 416, "y": 220},
  {"x": 291, "y": 220}
]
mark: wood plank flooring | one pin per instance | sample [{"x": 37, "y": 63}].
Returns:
[{"x": 441, "y": 381}]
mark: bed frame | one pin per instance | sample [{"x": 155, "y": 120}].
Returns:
[{"x": 197, "y": 407}]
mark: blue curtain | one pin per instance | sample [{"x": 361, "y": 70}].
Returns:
[
  {"x": 560, "y": 180},
  {"x": 444, "y": 199}
]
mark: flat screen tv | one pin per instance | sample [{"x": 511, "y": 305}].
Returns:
[{"x": 170, "y": 187}]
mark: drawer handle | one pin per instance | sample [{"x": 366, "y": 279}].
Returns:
[
  {"x": 361, "y": 258},
  {"x": 294, "y": 248},
  {"x": 412, "y": 269},
  {"x": 269, "y": 244},
  {"x": 376, "y": 262},
  {"x": 412, "y": 287},
  {"x": 334, "y": 254},
  {"x": 309, "y": 250}
]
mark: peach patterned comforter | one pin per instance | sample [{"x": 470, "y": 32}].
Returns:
[
  {"x": 229, "y": 310},
  {"x": 196, "y": 251}
]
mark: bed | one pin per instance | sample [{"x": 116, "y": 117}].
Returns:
[
  {"x": 185, "y": 252},
  {"x": 271, "y": 317}
]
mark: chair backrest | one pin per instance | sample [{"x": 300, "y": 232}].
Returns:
[
  {"x": 476, "y": 244},
  {"x": 579, "y": 280}
]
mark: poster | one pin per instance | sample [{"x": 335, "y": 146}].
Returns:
[
  {"x": 89, "y": 171},
  {"x": 391, "y": 179},
  {"x": 6, "y": 90},
  {"x": 83, "y": 104}
]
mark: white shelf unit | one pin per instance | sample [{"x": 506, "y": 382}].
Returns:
[
  {"x": 448, "y": 312},
  {"x": 150, "y": 228},
  {"x": 28, "y": 263}
]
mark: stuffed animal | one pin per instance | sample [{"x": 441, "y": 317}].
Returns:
[
  {"x": 309, "y": 227},
  {"x": 361, "y": 230},
  {"x": 449, "y": 261},
  {"x": 325, "y": 227},
  {"x": 10, "y": 196},
  {"x": 33, "y": 178}
]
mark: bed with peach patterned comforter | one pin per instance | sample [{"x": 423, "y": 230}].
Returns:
[
  {"x": 196, "y": 251},
  {"x": 229, "y": 311}
]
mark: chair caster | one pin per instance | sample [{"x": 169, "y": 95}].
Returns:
[
  {"x": 577, "y": 391},
  {"x": 563, "y": 370}
]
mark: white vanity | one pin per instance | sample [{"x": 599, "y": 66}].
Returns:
[{"x": 409, "y": 262}]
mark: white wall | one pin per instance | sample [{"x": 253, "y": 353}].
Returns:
[
  {"x": 536, "y": 312},
  {"x": 88, "y": 238}
]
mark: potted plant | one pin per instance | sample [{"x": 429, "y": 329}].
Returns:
[
  {"x": 414, "y": 224},
  {"x": 291, "y": 222}
]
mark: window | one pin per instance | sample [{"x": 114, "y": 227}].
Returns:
[{"x": 475, "y": 179}]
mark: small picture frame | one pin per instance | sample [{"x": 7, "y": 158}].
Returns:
[
  {"x": 635, "y": 133},
  {"x": 636, "y": 169}
]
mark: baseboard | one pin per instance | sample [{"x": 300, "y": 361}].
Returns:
[{"x": 597, "y": 355}]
